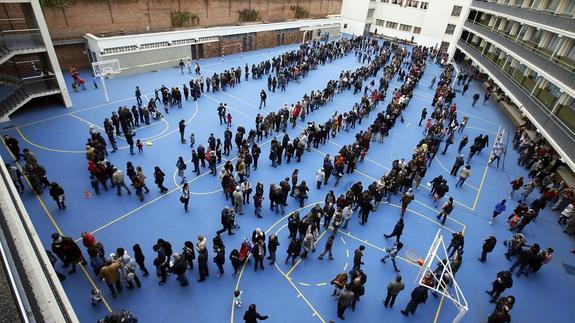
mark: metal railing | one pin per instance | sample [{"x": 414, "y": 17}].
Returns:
[
  {"x": 555, "y": 127},
  {"x": 26, "y": 89},
  {"x": 513, "y": 38},
  {"x": 34, "y": 307},
  {"x": 24, "y": 39},
  {"x": 530, "y": 9}
]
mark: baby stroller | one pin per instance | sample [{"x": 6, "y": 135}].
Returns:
[{"x": 245, "y": 250}]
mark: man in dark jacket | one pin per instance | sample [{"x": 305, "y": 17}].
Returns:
[
  {"x": 397, "y": 230},
  {"x": 459, "y": 161},
  {"x": 488, "y": 246},
  {"x": 67, "y": 251},
  {"x": 503, "y": 281},
  {"x": 179, "y": 268},
  {"x": 344, "y": 300},
  {"x": 358, "y": 254},
  {"x": 418, "y": 296}
]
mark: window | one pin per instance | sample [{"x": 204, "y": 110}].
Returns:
[
  {"x": 379, "y": 22},
  {"x": 405, "y": 27},
  {"x": 456, "y": 11},
  {"x": 391, "y": 24},
  {"x": 370, "y": 13},
  {"x": 450, "y": 29},
  {"x": 397, "y": 2},
  {"x": 416, "y": 30},
  {"x": 412, "y": 3},
  {"x": 385, "y": 1},
  {"x": 344, "y": 26},
  {"x": 444, "y": 46},
  {"x": 424, "y": 5}
]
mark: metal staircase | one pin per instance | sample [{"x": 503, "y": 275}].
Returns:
[
  {"x": 25, "y": 90},
  {"x": 16, "y": 42}
]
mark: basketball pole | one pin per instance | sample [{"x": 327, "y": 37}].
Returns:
[{"x": 103, "y": 78}]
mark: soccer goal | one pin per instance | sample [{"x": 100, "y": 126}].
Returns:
[
  {"x": 436, "y": 274},
  {"x": 106, "y": 70}
]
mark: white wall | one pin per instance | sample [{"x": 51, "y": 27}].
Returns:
[
  {"x": 354, "y": 14},
  {"x": 432, "y": 21}
]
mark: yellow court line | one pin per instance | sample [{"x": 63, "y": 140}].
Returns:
[
  {"x": 77, "y": 111},
  {"x": 125, "y": 215},
  {"x": 445, "y": 169},
  {"x": 54, "y": 224},
  {"x": 267, "y": 233},
  {"x": 46, "y": 148},
  {"x": 483, "y": 178},
  {"x": 300, "y": 294},
  {"x": 439, "y": 308},
  {"x": 374, "y": 246},
  {"x": 300, "y": 259}
]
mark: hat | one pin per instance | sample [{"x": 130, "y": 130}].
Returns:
[{"x": 55, "y": 235}]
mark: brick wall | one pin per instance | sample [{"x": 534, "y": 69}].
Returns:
[
  {"x": 133, "y": 16},
  {"x": 72, "y": 55}
]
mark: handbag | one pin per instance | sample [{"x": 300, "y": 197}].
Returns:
[{"x": 182, "y": 199}]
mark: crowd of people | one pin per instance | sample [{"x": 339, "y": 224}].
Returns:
[{"x": 305, "y": 230}]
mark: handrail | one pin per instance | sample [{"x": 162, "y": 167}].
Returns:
[
  {"x": 538, "y": 51},
  {"x": 539, "y": 104},
  {"x": 26, "y": 89},
  {"x": 544, "y": 11}
]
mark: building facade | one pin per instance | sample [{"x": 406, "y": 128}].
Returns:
[
  {"x": 435, "y": 23},
  {"x": 527, "y": 48},
  {"x": 29, "y": 67}
]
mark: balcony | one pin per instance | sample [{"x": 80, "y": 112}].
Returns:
[
  {"x": 546, "y": 20},
  {"x": 557, "y": 132},
  {"x": 25, "y": 90},
  {"x": 16, "y": 42},
  {"x": 557, "y": 72}
]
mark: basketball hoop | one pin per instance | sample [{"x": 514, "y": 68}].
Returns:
[{"x": 413, "y": 257}]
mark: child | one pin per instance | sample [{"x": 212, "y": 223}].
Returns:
[
  {"x": 229, "y": 119},
  {"x": 94, "y": 182},
  {"x": 192, "y": 140},
  {"x": 238, "y": 298},
  {"x": 96, "y": 296},
  {"x": 140, "y": 146}
]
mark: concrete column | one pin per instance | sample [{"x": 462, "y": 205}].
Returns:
[
  {"x": 563, "y": 100},
  {"x": 558, "y": 46},
  {"x": 536, "y": 86},
  {"x": 51, "y": 53},
  {"x": 566, "y": 45},
  {"x": 545, "y": 38},
  {"x": 562, "y": 6}
]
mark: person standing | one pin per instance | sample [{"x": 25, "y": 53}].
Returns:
[
  {"x": 357, "y": 255},
  {"x": 423, "y": 116},
  {"x": 406, "y": 198},
  {"x": 220, "y": 259},
  {"x": 119, "y": 182},
  {"x": 462, "y": 144},
  {"x": 499, "y": 208},
  {"x": 392, "y": 253},
  {"x": 418, "y": 296},
  {"x": 465, "y": 88},
  {"x": 181, "y": 167},
  {"x": 463, "y": 175},
  {"x": 14, "y": 146},
  {"x": 159, "y": 177},
  {"x": 273, "y": 243},
  {"x": 179, "y": 268},
  {"x": 516, "y": 185},
  {"x": 393, "y": 289},
  {"x": 344, "y": 300},
  {"x": 57, "y": 194},
  {"x": 488, "y": 246},
  {"x": 475, "y": 99},
  {"x": 185, "y": 197},
  {"x": 182, "y": 128},
  {"x": 503, "y": 281},
  {"x": 397, "y": 230},
  {"x": 110, "y": 274},
  {"x": 202, "y": 258},
  {"x": 328, "y": 247},
  {"x": 138, "y": 95},
  {"x": 446, "y": 210},
  {"x": 263, "y": 97},
  {"x": 259, "y": 252},
  {"x": 251, "y": 315}
]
